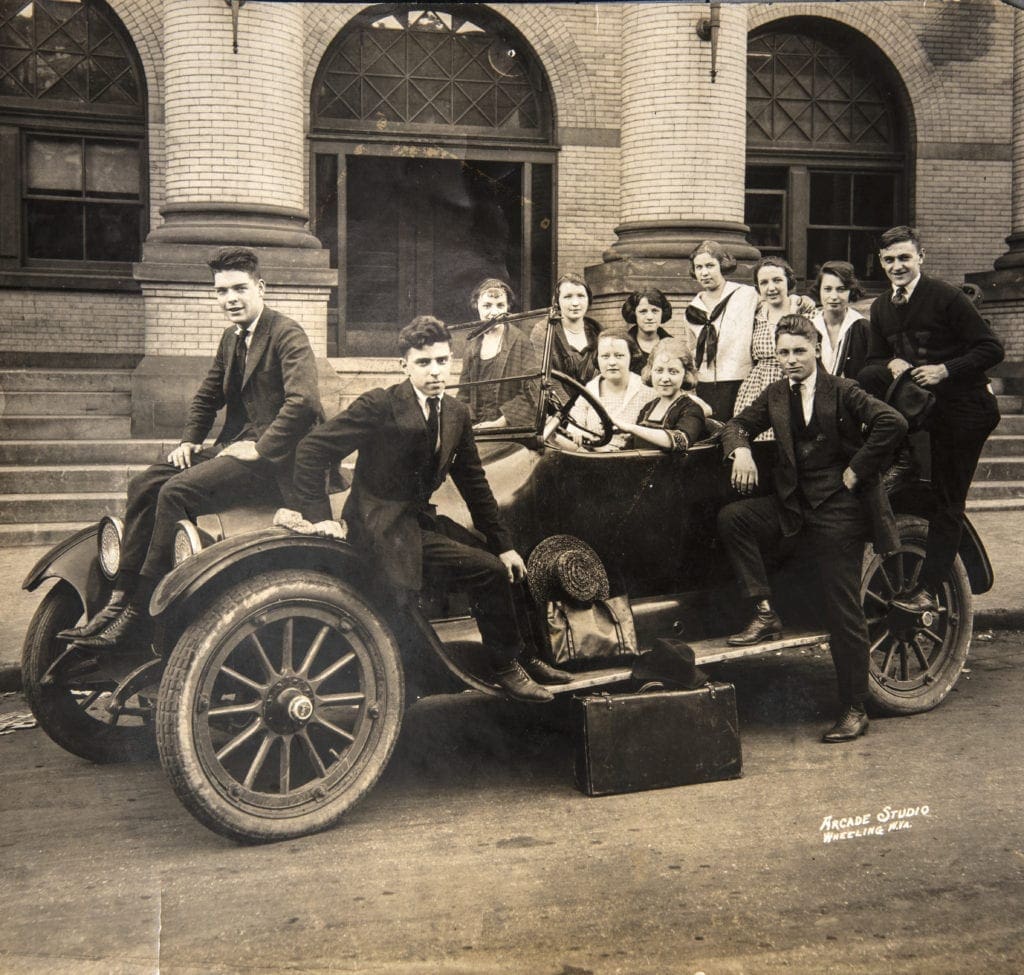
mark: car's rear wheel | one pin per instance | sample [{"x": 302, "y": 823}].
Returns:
[
  {"x": 280, "y": 706},
  {"x": 70, "y": 706},
  {"x": 915, "y": 659}
]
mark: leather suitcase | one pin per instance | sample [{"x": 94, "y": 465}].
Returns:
[{"x": 655, "y": 739}]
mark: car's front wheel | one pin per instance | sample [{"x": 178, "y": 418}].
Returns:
[
  {"x": 915, "y": 659},
  {"x": 280, "y": 706}
]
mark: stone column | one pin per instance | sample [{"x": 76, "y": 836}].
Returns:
[
  {"x": 683, "y": 147},
  {"x": 1003, "y": 288},
  {"x": 234, "y": 163}
]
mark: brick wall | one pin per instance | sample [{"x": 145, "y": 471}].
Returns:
[
  {"x": 64, "y": 321},
  {"x": 186, "y": 321}
]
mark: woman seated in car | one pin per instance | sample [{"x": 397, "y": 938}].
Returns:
[
  {"x": 843, "y": 330},
  {"x": 620, "y": 391},
  {"x": 675, "y": 419},
  {"x": 775, "y": 282},
  {"x": 722, "y": 318},
  {"x": 645, "y": 311},
  {"x": 501, "y": 351},
  {"x": 574, "y": 343}
]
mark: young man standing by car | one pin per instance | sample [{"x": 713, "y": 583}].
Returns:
[
  {"x": 934, "y": 330},
  {"x": 827, "y": 501},
  {"x": 410, "y": 438},
  {"x": 264, "y": 373}
]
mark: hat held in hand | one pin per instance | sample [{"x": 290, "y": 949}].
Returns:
[
  {"x": 563, "y": 566},
  {"x": 914, "y": 402}
]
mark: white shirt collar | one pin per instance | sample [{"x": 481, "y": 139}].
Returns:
[
  {"x": 252, "y": 329},
  {"x": 909, "y": 287},
  {"x": 828, "y": 350},
  {"x": 422, "y": 398}
]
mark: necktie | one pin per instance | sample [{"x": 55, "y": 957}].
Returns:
[
  {"x": 797, "y": 404},
  {"x": 433, "y": 422},
  {"x": 238, "y": 365},
  {"x": 707, "y": 339},
  {"x": 900, "y": 297}
]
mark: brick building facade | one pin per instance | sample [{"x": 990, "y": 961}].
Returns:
[{"x": 590, "y": 135}]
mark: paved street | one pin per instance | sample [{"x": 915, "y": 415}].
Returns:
[{"x": 475, "y": 854}]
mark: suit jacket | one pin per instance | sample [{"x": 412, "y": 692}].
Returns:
[
  {"x": 517, "y": 357},
  {"x": 841, "y": 408},
  {"x": 280, "y": 398},
  {"x": 938, "y": 325},
  {"x": 396, "y": 474}
]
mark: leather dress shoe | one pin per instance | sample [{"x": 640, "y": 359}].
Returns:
[
  {"x": 852, "y": 723},
  {"x": 762, "y": 626},
  {"x": 919, "y": 601},
  {"x": 518, "y": 684},
  {"x": 96, "y": 623},
  {"x": 131, "y": 632},
  {"x": 543, "y": 673}
]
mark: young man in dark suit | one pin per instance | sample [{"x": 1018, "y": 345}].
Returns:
[
  {"x": 410, "y": 438},
  {"x": 934, "y": 330},
  {"x": 827, "y": 502},
  {"x": 264, "y": 373}
]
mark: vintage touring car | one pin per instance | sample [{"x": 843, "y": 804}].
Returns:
[{"x": 276, "y": 684}]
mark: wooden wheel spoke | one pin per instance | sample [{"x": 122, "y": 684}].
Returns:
[
  {"x": 258, "y": 760},
  {"x": 311, "y": 751},
  {"x": 331, "y": 726},
  {"x": 888, "y": 659},
  {"x": 314, "y": 649},
  {"x": 242, "y": 679},
  {"x": 239, "y": 739},
  {"x": 921, "y": 658},
  {"x": 284, "y": 765},
  {"x": 883, "y": 574},
  {"x": 287, "y": 645},
  {"x": 871, "y": 594},
  {"x": 351, "y": 699},
  {"x": 904, "y": 661},
  {"x": 88, "y": 701},
  {"x": 931, "y": 634},
  {"x": 261, "y": 653},
  {"x": 876, "y": 646},
  {"x": 332, "y": 670},
  {"x": 899, "y": 573},
  {"x": 235, "y": 709}
]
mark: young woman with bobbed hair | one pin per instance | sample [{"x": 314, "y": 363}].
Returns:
[
  {"x": 775, "y": 282},
  {"x": 844, "y": 331},
  {"x": 501, "y": 351},
  {"x": 645, "y": 311},
  {"x": 574, "y": 347},
  {"x": 722, "y": 319}
]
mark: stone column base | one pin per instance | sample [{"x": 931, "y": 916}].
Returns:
[{"x": 1003, "y": 291}]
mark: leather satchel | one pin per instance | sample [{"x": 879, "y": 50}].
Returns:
[{"x": 601, "y": 630}]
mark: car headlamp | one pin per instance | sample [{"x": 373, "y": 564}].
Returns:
[
  {"x": 109, "y": 545},
  {"x": 187, "y": 541}
]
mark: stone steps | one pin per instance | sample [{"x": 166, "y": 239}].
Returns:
[
  {"x": 86, "y": 478},
  {"x": 101, "y": 452},
  {"x": 65, "y": 380},
  {"x": 43, "y": 427},
  {"x": 52, "y": 403},
  {"x": 81, "y": 507}
]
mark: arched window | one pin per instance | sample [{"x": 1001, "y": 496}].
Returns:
[
  {"x": 72, "y": 142},
  {"x": 827, "y": 145},
  {"x": 432, "y": 131}
]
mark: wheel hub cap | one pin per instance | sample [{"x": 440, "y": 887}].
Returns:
[{"x": 288, "y": 706}]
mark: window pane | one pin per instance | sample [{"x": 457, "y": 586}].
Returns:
[
  {"x": 767, "y": 178},
  {"x": 112, "y": 169},
  {"x": 864, "y": 253},
  {"x": 542, "y": 240},
  {"x": 874, "y": 196},
  {"x": 55, "y": 166},
  {"x": 112, "y": 232},
  {"x": 830, "y": 198},
  {"x": 764, "y": 215},
  {"x": 54, "y": 230},
  {"x": 826, "y": 245}
]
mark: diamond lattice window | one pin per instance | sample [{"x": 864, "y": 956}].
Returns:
[
  {"x": 66, "y": 51},
  {"x": 804, "y": 93},
  {"x": 410, "y": 69}
]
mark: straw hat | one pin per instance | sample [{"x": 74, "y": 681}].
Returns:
[{"x": 565, "y": 566}]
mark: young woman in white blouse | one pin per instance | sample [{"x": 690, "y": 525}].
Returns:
[
  {"x": 722, "y": 318},
  {"x": 843, "y": 330}
]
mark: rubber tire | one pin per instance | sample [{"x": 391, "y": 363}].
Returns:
[
  {"x": 913, "y": 531},
  {"x": 57, "y": 713},
  {"x": 176, "y": 708}
]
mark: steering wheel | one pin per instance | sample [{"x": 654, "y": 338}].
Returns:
[{"x": 560, "y": 399}]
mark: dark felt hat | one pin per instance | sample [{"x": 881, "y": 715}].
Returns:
[
  {"x": 564, "y": 566},
  {"x": 670, "y": 662},
  {"x": 914, "y": 402}
]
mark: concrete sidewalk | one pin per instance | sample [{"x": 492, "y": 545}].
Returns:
[{"x": 1003, "y": 607}]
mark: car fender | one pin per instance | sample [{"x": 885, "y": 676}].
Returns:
[
  {"x": 75, "y": 561},
  {"x": 278, "y": 546},
  {"x": 918, "y": 499}
]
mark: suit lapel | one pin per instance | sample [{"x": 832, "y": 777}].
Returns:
[
  {"x": 449, "y": 430},
  {"x": 779, "y": 413},
  {"x": 258, "y": 345}
]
